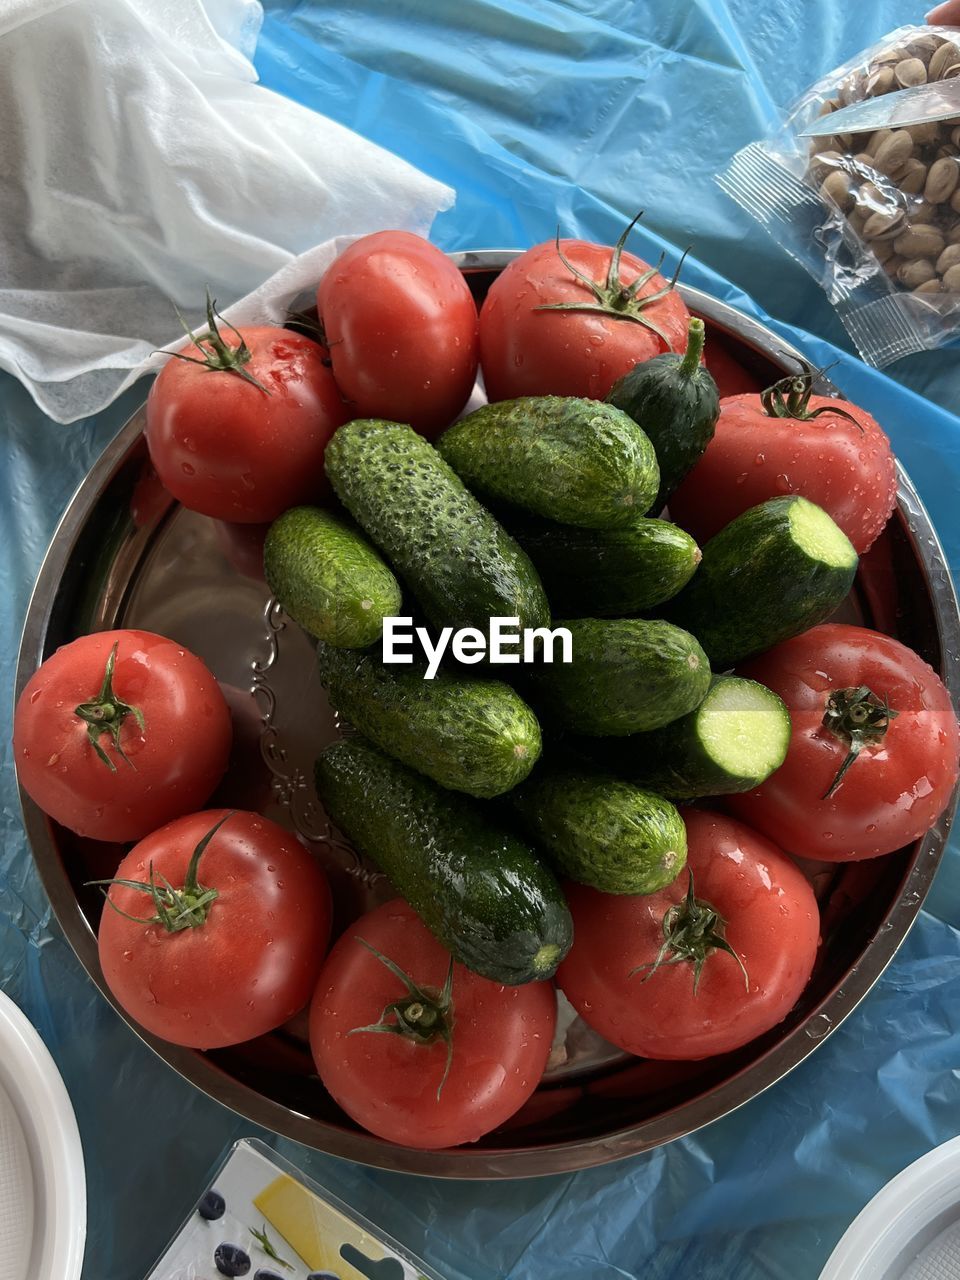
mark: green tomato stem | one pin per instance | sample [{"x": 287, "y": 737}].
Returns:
[
  {"x": 106, "y": 713},
  {"x": 696, "y": 336}
]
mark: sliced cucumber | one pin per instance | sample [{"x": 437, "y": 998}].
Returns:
[
  {"x": 775, "y": 571},
  {"x": 732, "y": 742}
]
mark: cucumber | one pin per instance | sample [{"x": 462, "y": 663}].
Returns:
[
  {"x": 775, "y": 571},
  {"x": 627, "y": 675},
  {"x": 576, "y": 461},
  {"x": 734, "y": 740},
  {"x": 470, "y": 735},
  {"x": 609, "y": 573},
  {"x": 603, "y": 832},
  {"x": 676, "y": 402},
  {"x": 461, "y": 565},
  {"x": 328, "y": 578},
  {"x": 481, "y": 890}
]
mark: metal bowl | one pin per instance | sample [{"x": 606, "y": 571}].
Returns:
[{"x": 126, "y": 555}]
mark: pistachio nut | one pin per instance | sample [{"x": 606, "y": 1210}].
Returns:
[
  {"x": 837, "y": 189},
  {"x": 910, "y": 72},
  {"x": 915, "y": 272},
  {"x": 893, "y": 152},
  {"x": 920, "y": 242},
  {"x": 913, "y": 177},
  {"x": 941, "y": 59},
  {"x": 884, "y": 225},
  {"x": 942, "y": 180},
  {"x": 949, "y": 258},
  {"x": 880, "y": 81},
  {"x": 876, "y": 138}
]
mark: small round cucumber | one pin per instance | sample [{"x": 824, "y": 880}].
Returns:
[
  {"x": 470, "y": 735},
  {"x": 627, "y": 675},
  {"x": 482, "y": 892},
  {"x": 774, "y": 571},
  {"x": 576, "y": 461},
  {"x": 732, "y": 742},
  {"x": 328, "y": 578},
  {"x": 461, "y": 565},
  {"x": 675, "y": 400},
  {"x": 609, "y": 573},
  {"x": 604, "y": 833}
]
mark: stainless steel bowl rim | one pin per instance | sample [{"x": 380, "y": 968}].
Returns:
[{"x": 512, "y": 1162}]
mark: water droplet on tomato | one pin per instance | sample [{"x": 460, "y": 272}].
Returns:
[
  {"x": 871, "y": 827},
  {"x": 783, "y": 483},
  {"x": 248, "y": 481},
  {"x": 35, "y": 695},
  {"x": 759, "y": 460},
  {"x": 741, "y": 478},
  {"x": 128, "y": 955},
  {"x": 187, "y": 469}
]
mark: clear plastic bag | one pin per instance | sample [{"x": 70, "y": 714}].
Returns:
[{"x": 874, "y": 217}]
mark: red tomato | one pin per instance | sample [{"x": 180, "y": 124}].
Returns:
[
  {"x": 249, "y": 958},
  {"x": 526, "y": 351},
  {"x": 401, "y": 325},
  {"x": 844, "y": 466},
  {"x": 896, "y": 788},
  {"x": 768, "y": 916},
  {"x": 501, "y": 1036},
  {"x": 84, "y": 757},
  {"x": 234, "y": 450}
]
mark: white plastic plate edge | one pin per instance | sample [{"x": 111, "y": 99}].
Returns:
[
  {"x": 891, "y": 1230},
  {"x": 30, "y": 1077}
]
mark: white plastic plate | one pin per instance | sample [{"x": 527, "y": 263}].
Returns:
[
  {"x": 910, "y": 1230},
  {"x": 43, "y": 1196}
]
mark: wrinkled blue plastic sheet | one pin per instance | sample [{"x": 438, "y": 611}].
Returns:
[{"x": 540, "y": 112}]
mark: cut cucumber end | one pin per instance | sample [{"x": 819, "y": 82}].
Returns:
[
  {"x": 816, "y": 534},
  {"x": 744, "y": 728}
]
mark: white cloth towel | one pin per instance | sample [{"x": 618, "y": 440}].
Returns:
[{"x": 139, "y": 164}]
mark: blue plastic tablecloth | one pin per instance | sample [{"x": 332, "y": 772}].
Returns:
[{"x": 539, "y": 111}]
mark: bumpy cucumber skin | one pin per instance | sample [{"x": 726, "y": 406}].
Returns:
[
  {"x": 575, "y": 461},
  {"x": 756, "y": 587},
  {"x": 602, "y": 832},
  {"x": 481, "y": 890},
  {"x": 462, "y": 566},
  {"x": 609, "y": 573},
  {"x": 328, "y": 578},
  {"x": 627, "y": 675},
  {"x": 673, "y": 760},
  {"x": 677, "y": 411},
  {"x": 476, "y": 736}
]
